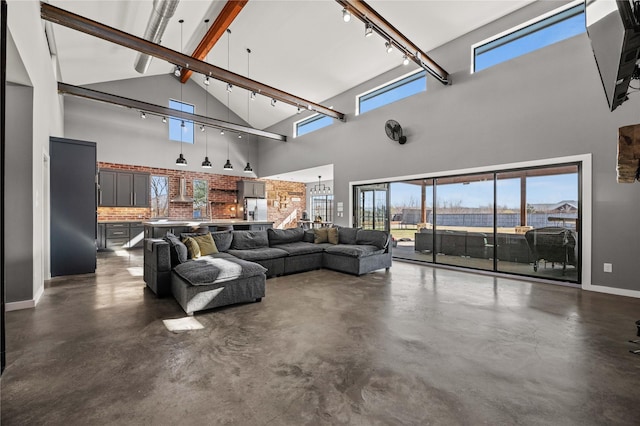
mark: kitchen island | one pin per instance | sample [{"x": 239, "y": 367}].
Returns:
[{"x": 159, "y": 228}]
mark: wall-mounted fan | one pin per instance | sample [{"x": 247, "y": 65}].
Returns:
[{"x": 394, "y": 131}]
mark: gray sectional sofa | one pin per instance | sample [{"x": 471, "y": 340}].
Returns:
[{"x": 238, "y": 272}]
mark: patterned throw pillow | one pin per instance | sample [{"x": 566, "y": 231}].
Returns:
[
  {"x": 192, "y": 247},
  {"x": 206, "y": 244}
]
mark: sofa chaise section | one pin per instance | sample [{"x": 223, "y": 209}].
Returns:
[{"x": 217, "y": 280}]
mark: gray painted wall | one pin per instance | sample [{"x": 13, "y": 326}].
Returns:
[
  {"x": 549, "y": 103},
  {"x": 18, "y": 210},
  {"x": 146, "y": 142}
]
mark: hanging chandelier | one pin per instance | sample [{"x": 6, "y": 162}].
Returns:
[{"x": 320, "y": 188}]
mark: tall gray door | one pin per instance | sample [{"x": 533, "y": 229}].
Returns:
[{"x": 73, "y": 207}]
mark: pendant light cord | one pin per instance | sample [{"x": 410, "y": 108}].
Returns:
[
  {"x": 182, "y": 128},
  {"x": 228, "y": 93},
  {"x": 206, "y": 106}
]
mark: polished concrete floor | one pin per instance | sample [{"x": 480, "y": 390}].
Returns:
[{"x": 415, "y": 345}]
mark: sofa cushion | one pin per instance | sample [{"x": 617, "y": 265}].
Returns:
[
  {"x": 222, "y": 239},
  {"x": 332, "y": 235},
  {"x": 193, "y": 249},
  {"x": 321, "y": 235},
  {"x": 178, "y": 251},
  {"x": 264, "y": 253},
  {"x": 206, "y": 244},
  {"x": 208, "y": 270},
  {"x": 372, "y": 237},
  {"x": 347, "y": 235},
  {"x": 284, "y": 236},
  {"x": 359, "y": 251},
  {"x": 301, "y": 248},
  {"x": 309, "y": 236},
  {"x": 248, "y": 240}
]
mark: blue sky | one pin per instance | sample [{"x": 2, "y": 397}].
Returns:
[{"x": 542, "y": 189}]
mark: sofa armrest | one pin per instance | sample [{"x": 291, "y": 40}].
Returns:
[{"x": 157, "y": 266}]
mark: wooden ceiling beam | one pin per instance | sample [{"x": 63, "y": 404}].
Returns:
[
  {"x": 96, "y": 29},
  {"x": 368, "y": 15},
  {"x": 229, "y": 12}
]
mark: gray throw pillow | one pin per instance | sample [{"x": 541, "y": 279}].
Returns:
[
  {"x": 247, "y": 240},
  {"x": 309, "y": 236},
  {"x": 347, "y": 235},
  {"x": 285, "y": 236},
  {"x": 177, "y": 249},
  {"x": 222, "y": 239}
]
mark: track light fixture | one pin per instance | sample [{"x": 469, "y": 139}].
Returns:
[
  {"x": 253, "y": 96},
  {"x": 239, "y": 135},
  {"x": 368, "y": 30},
  {"x": 143, "y": 115},
  {"x": 405, "y": 60},
  {"x": 346, "y": 15},
  {"x": 392, "y": 38},
  {"x": 229, "y": 87},
  {"x": 183, "y": 125},
  {"x": 202, "y": 128},
  {"x": 273, "y": 102},
  {"x": 222, "y": 131},
  {"x": 206, "y": 81},
  {"x": 164, "y": 120},
  {"x": 177, "y": 71},
  {"x": 299, "y": 109}
]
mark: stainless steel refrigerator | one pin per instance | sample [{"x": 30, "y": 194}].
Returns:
[{"x": 255, "y": 209}]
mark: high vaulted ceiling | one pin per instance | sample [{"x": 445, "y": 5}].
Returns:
[{"x": 302, "y": 47}]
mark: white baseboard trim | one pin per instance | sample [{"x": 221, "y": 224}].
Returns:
[
  {"x": 24, "y": 304},
  {"x": 612, "y": 290},
  {"x": 16, "y": 306}
]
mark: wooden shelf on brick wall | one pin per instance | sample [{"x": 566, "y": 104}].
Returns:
[{"x": 229, "y": 191}]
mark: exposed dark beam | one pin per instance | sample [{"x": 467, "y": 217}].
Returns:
[
  {"x": 96, "y": 29},
  {"x": 228, "y": 13},
  {"x": 367, "y": 14},
  {"x": 68, "y": 89}
]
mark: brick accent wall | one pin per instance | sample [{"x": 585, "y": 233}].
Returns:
[{"x": 282, "y": 210}]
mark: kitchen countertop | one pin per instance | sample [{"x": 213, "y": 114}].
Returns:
[{"x": 211, "y": 222}]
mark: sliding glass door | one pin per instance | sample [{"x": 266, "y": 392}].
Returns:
[
  {"x": 464, "y": 221},
  {"x": 519, "y": 221},
  {"x": 371, "y": 203}
]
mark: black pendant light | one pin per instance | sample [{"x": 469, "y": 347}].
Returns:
[
  {"x": 227, "y": 165},
  {"x": 247, "y": 168},
  {"x": 181, "y": 161}
]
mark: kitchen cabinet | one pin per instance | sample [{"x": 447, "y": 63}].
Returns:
[
  {"x": 251, "y": 189},
  {"x": 120, "y": 235},
  {"x": 107, "y": 194},
  {"x": 123, "y": 189}
]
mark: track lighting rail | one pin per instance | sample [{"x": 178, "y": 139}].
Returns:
[
  {"x": 68, "y": 89},
  {"x": 394, "y": 38},
  {"x": 186, "y": 62}
]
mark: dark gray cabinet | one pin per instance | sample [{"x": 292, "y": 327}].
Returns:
[
  {"x": 140, "y": 190},
  {"x": 123, "y": 189},
  {"x": 251, "y": 189},
  {"x": 107, "y": 181},
  {"x": 120, "y": 235},
  {"x": 73, "y": 202}
]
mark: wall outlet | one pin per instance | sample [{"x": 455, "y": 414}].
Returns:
[{"x": 608, "y": 267}]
